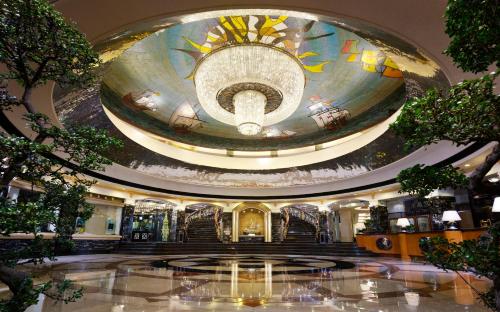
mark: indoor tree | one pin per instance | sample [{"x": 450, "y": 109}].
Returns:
[
  {"x": 378, "y": 223},
  {"x": 37, "y": 46},
  {"x": 468, "y": 112}
]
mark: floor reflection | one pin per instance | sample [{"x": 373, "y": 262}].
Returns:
[{"x": 278, "y": 283}]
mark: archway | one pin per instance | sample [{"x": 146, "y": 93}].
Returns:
[
  {"x": 300, "y": 222},
  {"x": 251, "y": 221}
]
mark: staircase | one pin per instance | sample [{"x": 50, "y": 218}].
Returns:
[
  {"x": 202, "y": 231},
  {"x": 288, "y": 248},
  {"x": 300, "y": 232}
]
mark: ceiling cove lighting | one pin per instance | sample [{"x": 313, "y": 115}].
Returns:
[{"x": 249, "y": 85}]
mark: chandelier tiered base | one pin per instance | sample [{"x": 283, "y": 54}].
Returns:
[{"x": 249, "y": 85}]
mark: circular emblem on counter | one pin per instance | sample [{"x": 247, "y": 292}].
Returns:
[{"x": 384, "y": 243}]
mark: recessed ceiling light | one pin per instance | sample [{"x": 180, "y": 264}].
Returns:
[{"x": 467, "y": 165}]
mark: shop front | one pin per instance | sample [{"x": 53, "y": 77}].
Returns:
[{"x": 149, "y": 220}]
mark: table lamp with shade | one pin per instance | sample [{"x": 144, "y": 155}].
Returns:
[
  {"x": 403, "y": 223},
  {"x": 451, "y": 216}
]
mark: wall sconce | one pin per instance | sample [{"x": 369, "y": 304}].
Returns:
[{"x": 451, "y": 216}]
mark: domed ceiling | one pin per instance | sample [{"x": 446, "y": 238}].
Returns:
[
  {"x": 356, "y": 77},
  {"x": 350, "y": 83}
]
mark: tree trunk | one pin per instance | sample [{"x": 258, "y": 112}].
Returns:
[
  {"x": 9, "y": 173},
  {"x": 480, "y": 172},
  {"x": 12, "y": 278},
  {"x": 28, "y": 105},
  {"x": 26, "y": 100}
]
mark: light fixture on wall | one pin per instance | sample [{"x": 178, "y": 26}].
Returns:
[
  {"x": 249, "y": 85},
  {"x": 403, "y": 223},
  {"x": 496, "y": 205},
  {"x": 451, "y": 216}
]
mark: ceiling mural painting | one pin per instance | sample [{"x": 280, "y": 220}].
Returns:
[
  {"x": 350, "y": 84},
  {"x": 355, "y": 77}
]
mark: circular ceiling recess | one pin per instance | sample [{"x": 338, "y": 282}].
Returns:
[
  {"x": 252, "y": 97},
  {"x": 324, "y": 82}
]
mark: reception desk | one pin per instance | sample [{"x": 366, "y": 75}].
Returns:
[{"x": 406, "y": 245}]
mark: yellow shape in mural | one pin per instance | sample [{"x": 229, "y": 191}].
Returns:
[
  {"x": 390, "y": 63},
  {"x": 199, "y": 47},
  {"x": 372, "y": 57},
  {"x": 307, "y": 54},
  {"x": 236, "y": 25},
  {"x": 369, "y": 68},
  {"x": 269, "y": 26},
  {"x": 352, "y": 58},
  {"x": 318, "y": 68}
]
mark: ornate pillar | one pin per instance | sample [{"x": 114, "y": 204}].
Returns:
[
  {"x": 236, "y": 226},
  {"x": 336, "y": 226},
  {"x": 118, "y": 220},
  {"x": 267, "y": 223},
  {"x": 173, "y": 226}
]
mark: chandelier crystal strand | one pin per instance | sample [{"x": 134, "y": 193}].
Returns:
[{"x": 249, "y": 108}]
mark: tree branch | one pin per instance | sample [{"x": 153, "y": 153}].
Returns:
[{"x": 476, "y": 178}]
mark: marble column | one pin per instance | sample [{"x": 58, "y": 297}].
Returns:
[
  {"x": 236, "y": 227},
  {"x": 346, "y": 232}
]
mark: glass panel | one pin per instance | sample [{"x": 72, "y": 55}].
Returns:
[
  {"x": 393, "y": 226},
  {"x": 423, "y": 224}
]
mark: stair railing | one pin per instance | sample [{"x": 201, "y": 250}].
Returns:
[
  {"x": 308, "y": 217},
  {"x": 214, "y": 212}
]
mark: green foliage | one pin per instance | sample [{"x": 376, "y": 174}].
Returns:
[
  {"x": 25, "y": 297},
  {"x": 38, "y": 45},
  {"x": 470, "y": 112},
  {"x": 29, "y": 293},
  {"x": 420, "y": 181},
  {"x": 63, "y": 197},
  {"x": 474, "y": 29},
  {"x": 63, "y": 291},
  {"x": 410, "y": 228},
  {"x": 378, "y": 222},
  {"x": 480, "y": 256},
  {"x": 36, "y": 252},
  {"x": 33, "y": 161}
]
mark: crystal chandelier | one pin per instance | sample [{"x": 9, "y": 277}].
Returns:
[{"x": 249, "y": 85}]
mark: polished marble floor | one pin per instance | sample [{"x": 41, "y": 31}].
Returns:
[{"x": 119, "y": 283}]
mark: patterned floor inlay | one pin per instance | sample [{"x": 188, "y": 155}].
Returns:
[{"x": 120, "y": 283}]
